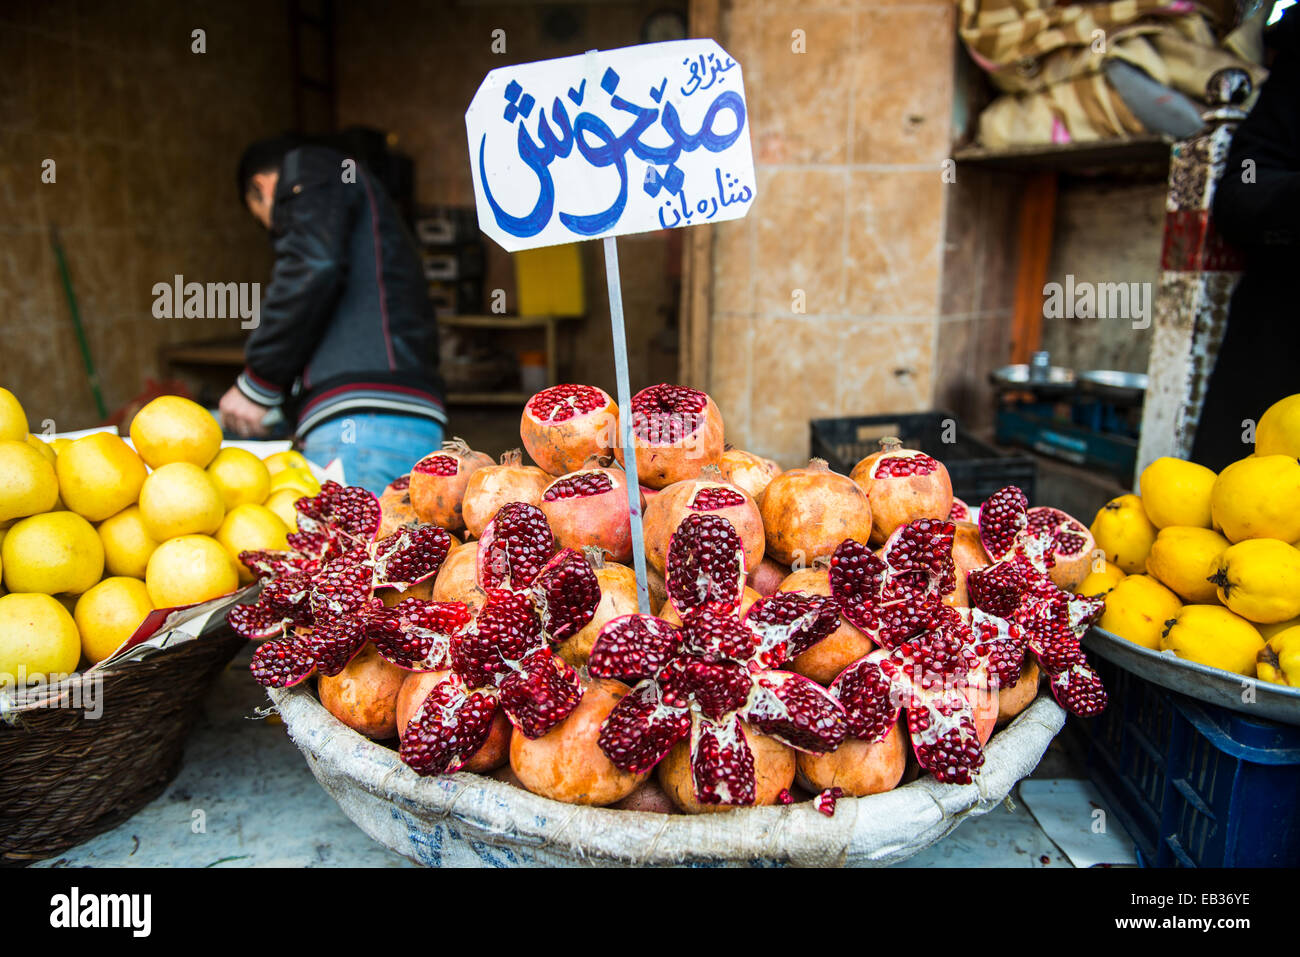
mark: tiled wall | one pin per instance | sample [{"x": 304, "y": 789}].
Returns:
[
  {"x": 849, "y": 138},
  {"x": 145, "y": 135}
]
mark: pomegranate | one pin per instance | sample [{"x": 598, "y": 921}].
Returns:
[
  {"x": 903, "y": 485},
  {"x": 960, "y": 511},
  {"x": 438, "y": 483},
  {"x": 364, "y": 694},
  {"x": 856, "y": 767},
  {"x": 395, "y": 507},
  {"x": 658, "y": 589},
  {"x": 843, "y": 646},
  {"x": 495, "y": 749},
  {"x": 967, "y": 555},
  {"x": 566, "y": 763},
  {"x": 807, "y": 512},
  {"x": 492, "y": 486},
  {"x": 766, "y": 578},
  {"x": 769, "y": 763},
  {"x": 564, "y": 426},
  {"x": 1069, "y": 558},
  {"x": 703, "y": 495},
  {"x": 1019, "y": 696},
  {"x": 649, "y": 797},
  {"x": 458, "y": 579},
  {"x": 677, "y": 431},
  {"x": 983, "y": 700},
  {"x": 670, "y": 614},
  {"x": 590, "y": 508},
  {"x": 715, "y": 678},
  {"x": 392, "y": 597},
  {"x": 748, "y": 472},
  {"x": 617, "y": 597}
]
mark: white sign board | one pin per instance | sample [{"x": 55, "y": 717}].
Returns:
[{"x": 610, "y": 142}]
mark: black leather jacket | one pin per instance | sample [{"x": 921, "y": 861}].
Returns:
[{"x": 346, "y": 324}]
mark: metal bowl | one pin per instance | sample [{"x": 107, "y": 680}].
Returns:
[
  {"x": 1019, "y": 378},
  {"x": 1114, "y": 385}
]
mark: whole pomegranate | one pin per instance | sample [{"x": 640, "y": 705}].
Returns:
[
  {"x": 649, "y": 797},
  {"x": 364, "y": 694},
  {"x": 807, "y": 512},
  {"x": 669, "y": 508},
  {"x": 658, "y": 589},
  {"x": 677, "y": 431},
  {"x": 1069, "y": 558},
  {"x": 566, "y": 764},
  {"x": 857, "y": 767},
  {"x": 749, "y": 472},
  {"x": 1018, "y": 697},
  {"x": 438, "y": 482},
  {"x": 395, "y": 507},
  {"x": 617, "y": 597},
  {"x": 458, "y": 578},
  {"x": 774, "y": 769},
  {"x": 589, "y": 508},
  {"x": 845, "y": 645},
  {"x": 903, "y": 485},
  {"x": 564, "y": 426},
  {"x": 767, "y": 577},
  {"x": 492, "y": 486},
  {"x": 967, "y": 555},
  {"x": 491, "y": 755}
]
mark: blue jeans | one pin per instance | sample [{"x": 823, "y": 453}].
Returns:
[{"x": 374, "y": 447}]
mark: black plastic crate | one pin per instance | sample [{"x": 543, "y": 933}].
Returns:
[
  {"x": 977, "y": 468},
  {"x": 1195, "y": 785}
]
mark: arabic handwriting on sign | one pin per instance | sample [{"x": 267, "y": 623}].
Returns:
[
  {"x": 601, "y": 147},
  {"x": 684, "y": 211},
  {"x": 702, "y": 66}
]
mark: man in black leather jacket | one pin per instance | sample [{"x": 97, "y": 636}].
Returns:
[{"x": 347, "y": 343}]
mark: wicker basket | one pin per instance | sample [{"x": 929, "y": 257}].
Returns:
[{"x": 66, "y": 776}]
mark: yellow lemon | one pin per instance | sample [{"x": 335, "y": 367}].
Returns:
[
  {"x": 13, "y": 420},
  {"x": 52, "y": 553},
  {"x": 1183, "y": 559},
  {"x": 288, "y": 459},
  {"x": 1100, "y": 581},
  {"x": 1278, "y": 431},
  {"x": 1124, "y": 533},
  {"x": 281, "y": 502},
  {"x": 240, "y": 477},
  {"x": 1176, "y": 492},
  {"x": 1259, "y": 497},
  {"x": 99, "y": 476},
  {"x": 38, "y": 638},
  {"x": 1259, "y": 579},
  {"x": 180, "y": 499},
  {"x": 189, "y": 569},
  {"x": 127, "y": 543},
  {"x": 1214, "y": 636},
  {"x": 1137, "y": 609},
  {"x": 1279, "y": 661},
  {"x": 27, "y": 482},
  {"x": 109, "y": 614},
  {"x": 251, "y": 528},
  {"x": 174, "y": 429},
  {"x": 298, "y": 479},
  {"x": 47, "y": 451}
]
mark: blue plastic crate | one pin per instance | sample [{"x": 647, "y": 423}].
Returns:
[{"x": 1194, "y": 784}]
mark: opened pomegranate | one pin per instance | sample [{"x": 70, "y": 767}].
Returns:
[
  {"x": 960, "y": 511},
  {"x": 1069, "y": 558},
  {"x": 843, "y": 646},
  {"x": 749, "y": 472},
  {"x": 495, "y": 750},
  {"x": 903, "y": 485},
  {"x": 767, "y": 577},
  {"x": 364, "y": 694},
  {"x": 589, "y": 508},
  {"x": 566, "y": 763},
  {"x": 1017, "y": 697},
  {"x": 669, "y": 613},
  {"x": 617, "y": 598},
  {"x": 493, "y": 486},
  {"x": 857, "y": 767},
  {"x": 677, "y": 431},
  {"x": 438, "y": 482},
  {"x": 395, "y": 507},
  {"x": 967, "y": 555},
  {"x": 807, "y": 512},
  {"x": 704, "y": 495},
  {"x": 458, "y": 578},
  {"x": 566, "y": 425},
  {"x": 715, "y": 678}
]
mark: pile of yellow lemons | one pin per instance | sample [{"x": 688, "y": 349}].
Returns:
[
  {"x": 94, "y": 534},
  {"x": 1206, "y": 565}
]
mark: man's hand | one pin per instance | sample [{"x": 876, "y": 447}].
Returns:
[{"x": 241, "y": 415}]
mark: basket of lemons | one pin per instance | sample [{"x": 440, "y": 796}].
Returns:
[
  {"x": 117, "y": 562},
  {"x": 1201, "y": 575}
]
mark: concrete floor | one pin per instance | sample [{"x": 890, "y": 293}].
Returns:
[{"x": 245, "y": 798}]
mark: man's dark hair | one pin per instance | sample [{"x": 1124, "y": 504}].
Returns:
[{"x": 264, "y": 156}]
